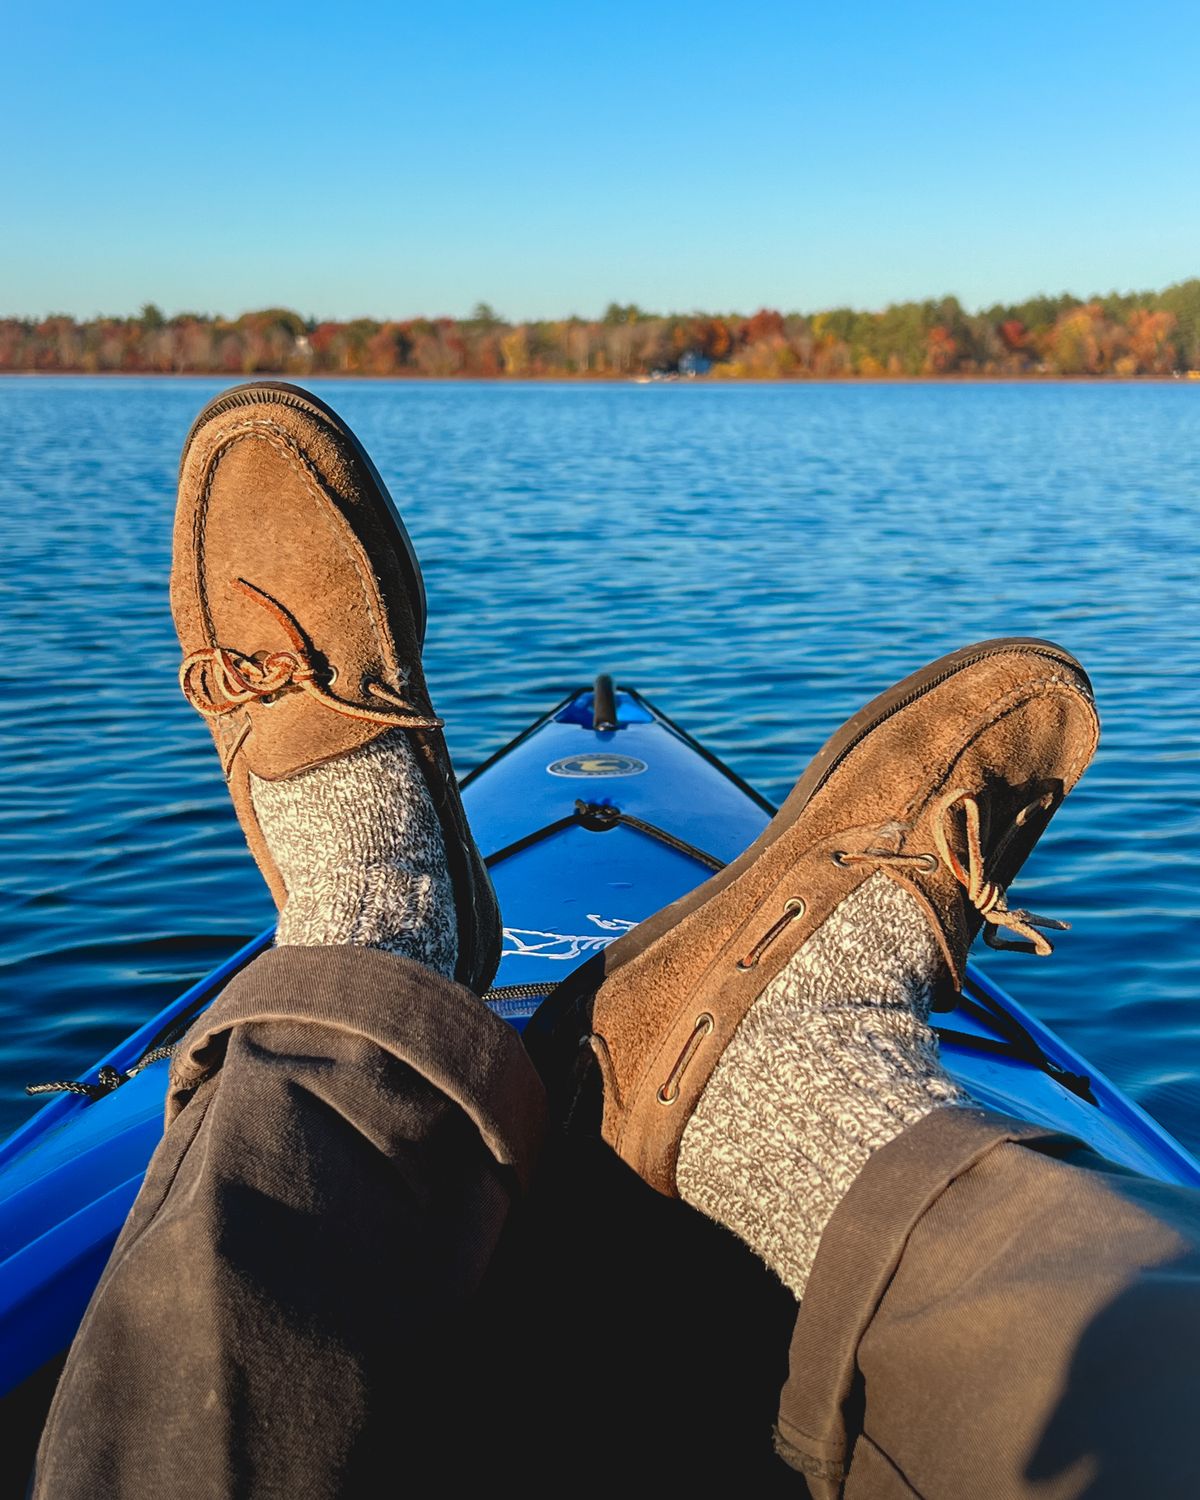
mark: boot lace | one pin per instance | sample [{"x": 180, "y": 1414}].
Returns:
[
  {"x": 217, "y": 680},
  {"x": 987, "y": 896}
]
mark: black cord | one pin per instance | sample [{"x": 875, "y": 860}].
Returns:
[{"x": 600, "y": 817}]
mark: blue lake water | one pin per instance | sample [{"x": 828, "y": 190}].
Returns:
[{"x": 758, "y": 560}]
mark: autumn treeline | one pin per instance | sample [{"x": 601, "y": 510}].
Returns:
[{"x": 1143, "y": 333}]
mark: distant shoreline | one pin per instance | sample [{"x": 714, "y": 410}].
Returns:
[
  {"x": 1120, "y": 336},
  {"x": 1185, "y": 377}
]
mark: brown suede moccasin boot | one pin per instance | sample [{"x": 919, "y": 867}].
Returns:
[
  {"x": 944, "y": 784},
  {"x": 301, "y": 611}
]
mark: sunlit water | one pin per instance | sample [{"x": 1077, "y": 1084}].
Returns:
[{"x": 757, "y": 560}]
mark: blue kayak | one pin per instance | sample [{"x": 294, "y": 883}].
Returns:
[{"x": 596, "y": 817}]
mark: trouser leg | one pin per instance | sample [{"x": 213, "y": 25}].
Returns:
[
  {"x": 995, "y": 1311},
  {"x": 346, "y": 1133}
]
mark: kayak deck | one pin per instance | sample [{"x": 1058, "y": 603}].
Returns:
[{"x": 597, "y": 816}]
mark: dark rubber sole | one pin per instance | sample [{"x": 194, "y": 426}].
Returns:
[
  {"x": 293, "y": 395},
  {"x": 565, "y": 1017}
]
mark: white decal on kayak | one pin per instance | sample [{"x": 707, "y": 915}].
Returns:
[
  {"x": 523, "y": 942},
  {"x": 598, "y": 763}
]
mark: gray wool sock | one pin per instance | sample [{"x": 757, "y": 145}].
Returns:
[
  {"x": 361, "y": 852},
  {"x": 833, "y": 1060}
]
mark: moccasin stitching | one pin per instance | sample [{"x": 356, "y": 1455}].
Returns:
[
  {"x": 1007, "y": 706},
  {"x": 281, "y": 440},
  {"x": 1017, "y": 698}
]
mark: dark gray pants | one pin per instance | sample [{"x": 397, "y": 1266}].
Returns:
[{"x": 298, "y": 1306}]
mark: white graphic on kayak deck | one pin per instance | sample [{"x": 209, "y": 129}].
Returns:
[{"x": 522, "y": 942}]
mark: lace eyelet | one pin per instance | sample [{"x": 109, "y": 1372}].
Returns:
[
  {"x": 838, "y": 856},
  {"x": 668, "y": 1092},
  {"x": 797, "y": 905},
  {"x": 928, "y": 863}
]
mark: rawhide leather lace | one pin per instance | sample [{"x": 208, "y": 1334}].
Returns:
[
  {"x": 987, "y": 896},
  {"x": 218, "y": 680}
]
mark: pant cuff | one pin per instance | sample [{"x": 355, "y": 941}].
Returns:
[
  {"x": 436, "y": 1026},
  {"x": 858, "y": 1255}
]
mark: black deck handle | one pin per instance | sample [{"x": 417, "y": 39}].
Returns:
[{"x": 604, "y": 703}]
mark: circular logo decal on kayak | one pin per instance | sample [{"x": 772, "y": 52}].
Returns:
[{"x": 597, "y": 764}]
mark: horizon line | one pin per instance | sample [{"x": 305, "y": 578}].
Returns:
[{"x": 576, "y": 317}]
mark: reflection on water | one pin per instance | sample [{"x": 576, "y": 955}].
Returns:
[{"x": 757, "y": 560}]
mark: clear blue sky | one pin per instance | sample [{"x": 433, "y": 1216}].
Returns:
[{"x": 393, "y": 159}]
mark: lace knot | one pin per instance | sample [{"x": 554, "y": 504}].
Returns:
[
  {"x": 988, "y": 896},
  {"x": 218, "y": 680}
]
